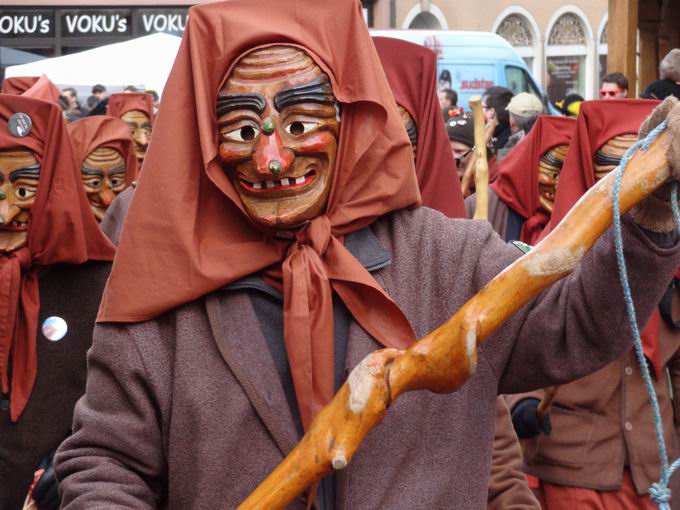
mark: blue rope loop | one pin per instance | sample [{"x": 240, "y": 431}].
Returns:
[{"x": 659, "y": 491}]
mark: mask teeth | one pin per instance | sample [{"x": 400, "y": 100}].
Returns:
[{"x": 283, "y": 183}]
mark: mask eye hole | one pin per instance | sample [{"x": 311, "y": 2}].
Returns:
[
  {"x": 298, "y": 128},
  {"x": 242, "y": 134}
]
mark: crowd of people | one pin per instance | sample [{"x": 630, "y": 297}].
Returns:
[{"x": 175, "y": 314}]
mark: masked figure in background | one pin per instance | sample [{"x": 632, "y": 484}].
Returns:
[
  {"x": 601, "y": 450},
  {"x": 287, "y": 246},
  {"x": 411, "y": 72},
  {"x": 32, "y": 86},
  {"x": 107, "y": 159},
  {"x": 52, "y": 273},
  {"x": 136, "y": 110},
  {"x": 521, "y": 198}
]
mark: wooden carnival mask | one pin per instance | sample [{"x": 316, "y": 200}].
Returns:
[
  {"x": 608, "y": 157},
  {"x": 19, "y": 174},
  {"x": 549, "y": 168},
  {"x": 411, "y": 129},
  {"x": 103, "y": 177},
  {"x": 140, "y": 131},
  {"x": 278, "y": 134}
]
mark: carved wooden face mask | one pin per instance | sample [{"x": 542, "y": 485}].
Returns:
[
  {"x": 608, "y": 157},
  {"x": 549, "y": 168},
  {"x": 140, "y": 131},
  {"x": 278, "y": 135},
  {"x": 19, "y": 176},
  {"x": 103, "y": 177},
  {"x": 411, "y": 129}
]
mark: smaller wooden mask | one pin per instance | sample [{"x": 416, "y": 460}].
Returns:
[
  {"x": 549, "y": 168},
  {"x": 140, "y": 131},
  {"x": 19, "y": 174},
  {"x": 608, "y": 157},
  {"x": 103, "y": 177}
]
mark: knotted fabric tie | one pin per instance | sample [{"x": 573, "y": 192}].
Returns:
[
  {"x": 316, "y": 264},
  {"x": 533, "y": 226},
  {"x": 19, "y": 307}
]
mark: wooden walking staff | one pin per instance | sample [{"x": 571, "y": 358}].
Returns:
[
  {"x": 469, "y": 173},
  {"x": 443, "y": 360},
  {"x": 481, "y": 168}
]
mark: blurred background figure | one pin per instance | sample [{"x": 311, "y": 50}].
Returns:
[
  {"x": 523, "y": 110},
  {"x": 614, "y": 86},
  {"x": 155, "y": 98},
  {"x": 669, "y": 82},
  {"x": 570, "y": 105},
  {"x": 494, "y": 103},
  {"x": 74, "y": 111},
  {"x": 448, "y": 102},
  {"x": 99, "y": 91}
]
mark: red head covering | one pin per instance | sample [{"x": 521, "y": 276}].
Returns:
[
  {"x": 200, "y": 232},
  {"x": 597, "y": 123},
  {"x": 89, "y": 133},
  {"x": 517, "y": 183},
  {"x": 122, "y": 102},
  {"x": 62, "y": 229},
  {"x": 411, "y": 71},
  {"x": 32, "y": 86},
  {"x": 18, "y": 85}
]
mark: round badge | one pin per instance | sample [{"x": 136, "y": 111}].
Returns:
[
  {"x": 19, "y": 125},
  {"x": 54, "y": 328}
]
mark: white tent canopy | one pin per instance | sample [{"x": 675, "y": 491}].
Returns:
[{"x": 144, "y": 62}]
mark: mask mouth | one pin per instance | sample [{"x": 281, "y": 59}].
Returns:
[
  {"x": 15, "y": 226},
  {"x": 280, "y": 185}
]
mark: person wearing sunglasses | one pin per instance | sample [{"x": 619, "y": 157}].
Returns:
[{"x": 614, "y": 86}]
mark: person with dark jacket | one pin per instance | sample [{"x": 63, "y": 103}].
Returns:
[
  {"x": 668, "y": 83},
  {"x": 54, "y": 262},
  {"x": 495, "y": 102}
]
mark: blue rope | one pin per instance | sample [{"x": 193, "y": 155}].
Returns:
[{"x": 659, "y": 491}]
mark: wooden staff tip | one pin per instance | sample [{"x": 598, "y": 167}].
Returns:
[{"x": 339, "y": 460}]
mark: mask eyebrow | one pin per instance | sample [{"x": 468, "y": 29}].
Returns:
[
  {"x": 230, "y": 102},
  {"x": 316, "y": 91},
  {"x": 32, "y": 172},
  {"x": 606, "y": 160}
]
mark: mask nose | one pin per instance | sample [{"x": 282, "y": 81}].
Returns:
[
  {"x": 141, "y": 138},
  {"x": 8, "y": 211},
  {"x": 271, "y": 157},
  {"x": 106, "y": 196}
]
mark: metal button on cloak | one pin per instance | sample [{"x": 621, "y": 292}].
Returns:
[
  {"x": 54, "y": 328},
  {"x": 19, "y": 125}
]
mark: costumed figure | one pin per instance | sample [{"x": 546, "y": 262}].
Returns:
[
  {"x": 288, "y": 246},
  {"x": 53, "y": 266},
  {"x": 108, "y": 163},
  {"x": 411, "y": 72},
  {"x": 136, "y": 110},
  {"x": 521, "y": 198},
  {"x": 601, "y": 451}
]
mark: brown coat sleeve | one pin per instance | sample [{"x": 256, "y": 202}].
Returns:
[
  {"x": 508, "y": 488},
  {"x": 112, "y": 223},
  {"x": 117, "y": 461}
]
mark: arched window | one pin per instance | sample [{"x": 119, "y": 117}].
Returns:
[
  {"x": 517, "y": 26},
  {"x": 431, "y": 18},
  {"x": 425, "y": 20},
  {"x": 602, "y": 49},
  {"x": 568, "y": 66}
]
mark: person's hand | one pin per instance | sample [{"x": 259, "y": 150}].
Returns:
[
  {"x": 526, "y": 421},
  {"x": 655, "y": 213},
  {"x": 45, "y": 492}
]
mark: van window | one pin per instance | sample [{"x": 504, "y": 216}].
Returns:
[{"x": 518, "y": 81}]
